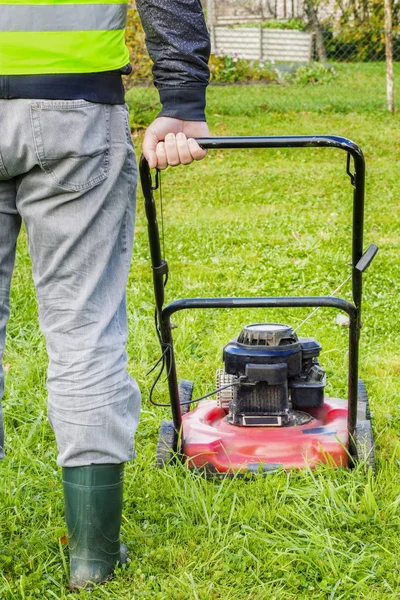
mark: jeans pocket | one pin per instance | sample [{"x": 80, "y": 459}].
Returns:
[{"x": 72, "y": 140}]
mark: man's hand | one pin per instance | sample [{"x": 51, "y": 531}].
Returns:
[{"x": 169, "y": 142}]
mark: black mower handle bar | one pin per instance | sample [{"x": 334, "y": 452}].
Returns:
[
  {"x": 282, "y": 141},
  {"x": 285, "y": 141}
]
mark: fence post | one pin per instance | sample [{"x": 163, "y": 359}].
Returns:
[
  {"x": 261, "y": 31},
  {"x": 211, "y": 23},
  {"x": 389, "y": 56}
]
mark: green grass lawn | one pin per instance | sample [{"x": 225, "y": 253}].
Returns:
[{"x": 239, "y": 223}]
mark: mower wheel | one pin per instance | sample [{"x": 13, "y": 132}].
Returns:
[
  {"x": 185, "y": 394},
  {"x": 166, "y": 445},
  {"x": 364, "y": 446},
  {"x": 363, "y": 411}
]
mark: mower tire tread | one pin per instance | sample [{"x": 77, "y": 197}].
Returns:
[
  {"x": 185, "y": 394},
  {"x": 166, "y": 445},
  {"x": 364, "y": 445},
  {"x": 363, "y": 398}
]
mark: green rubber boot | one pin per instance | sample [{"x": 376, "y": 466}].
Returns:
[{"x": 93, "y": 509}]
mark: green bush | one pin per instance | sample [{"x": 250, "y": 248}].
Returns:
[
  {"x": 232, "y": 69},
  {"x": 312, "y": 73}
]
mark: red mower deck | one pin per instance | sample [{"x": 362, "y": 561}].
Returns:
[{"x": 209, "y": 441}]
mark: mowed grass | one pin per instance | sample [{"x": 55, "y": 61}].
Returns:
[{"x": 239, "y": 223}]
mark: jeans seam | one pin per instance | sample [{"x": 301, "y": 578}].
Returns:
[
  {"x": 3, "y": 170},
  {"x": 124, "y": 243},
  {"x": 116, "y": 316},
  {"x": 132, "y": 165}
]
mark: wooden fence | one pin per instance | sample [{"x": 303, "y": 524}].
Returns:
[{"x": 280, "y": 45}]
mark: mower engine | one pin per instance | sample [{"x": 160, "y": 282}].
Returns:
[{"x": 273, "y": 377}]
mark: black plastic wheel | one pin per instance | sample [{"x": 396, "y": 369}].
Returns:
[
  {"x": 185, "y": 394},
  {"x": 364, "y": 446},
  {"x": 167, "y": 444},
  {"x": 363, "y": 402}
]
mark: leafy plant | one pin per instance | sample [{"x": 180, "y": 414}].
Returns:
[
  {"x": 312, "y": 73},
  {"x": 232, "y": 69}
]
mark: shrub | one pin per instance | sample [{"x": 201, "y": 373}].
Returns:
[
  {"x": 139, "y": 57},
  {"x": 232, "y": 69},
  {"x": 312, "y": 73}
]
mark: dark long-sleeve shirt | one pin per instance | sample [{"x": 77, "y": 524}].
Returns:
[{"x": 179, "y": 45}]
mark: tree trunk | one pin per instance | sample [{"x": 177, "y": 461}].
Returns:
[
  {"x": 317, "y": 29},
  {"x": 211, "y": 22},
  {"x": 389, "y": 56}
]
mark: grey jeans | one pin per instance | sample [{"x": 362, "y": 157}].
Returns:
[{"x": 68, "y": 170}]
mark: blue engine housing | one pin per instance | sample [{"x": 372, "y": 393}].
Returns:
[{"x": 269, "y": 360}]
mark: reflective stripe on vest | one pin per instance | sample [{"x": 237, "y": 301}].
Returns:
[
  {"x": 59, "y": 37},
  {"x": 60, "y": 17}
]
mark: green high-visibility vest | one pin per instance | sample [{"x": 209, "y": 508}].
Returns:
[{"x": 62, "y": 36}]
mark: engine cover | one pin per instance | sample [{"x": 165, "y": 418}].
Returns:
[{"x": 268, "y": 366}]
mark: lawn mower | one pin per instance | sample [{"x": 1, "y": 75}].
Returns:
[{"x": 270, "y": 411}]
